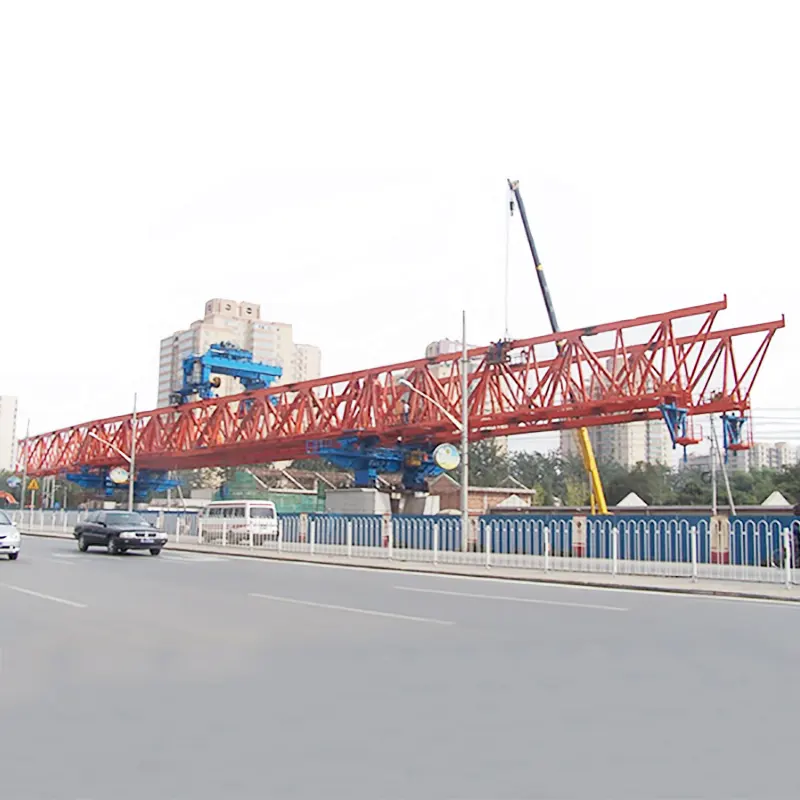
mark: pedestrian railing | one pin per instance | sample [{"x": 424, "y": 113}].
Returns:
[{"x": 740, "y": 548}]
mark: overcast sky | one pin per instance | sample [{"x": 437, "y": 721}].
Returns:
[{"x": 344, "y": 166}]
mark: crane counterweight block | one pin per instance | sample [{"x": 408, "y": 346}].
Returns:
[{"x": 623, "y": 371}]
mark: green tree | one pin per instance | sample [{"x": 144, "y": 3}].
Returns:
[
  {"x": 787, "y": 481},
  {"x": 537, "y": 471},
  {"x": 488, "y": 465},
  {"x": 691, "y": 487},
  {"x": 651, "y": 482}
]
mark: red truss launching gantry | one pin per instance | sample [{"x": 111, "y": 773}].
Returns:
[{"x": 672, "y": 365}]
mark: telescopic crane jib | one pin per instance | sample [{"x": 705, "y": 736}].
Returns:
[{"x": 589, "y": 462}]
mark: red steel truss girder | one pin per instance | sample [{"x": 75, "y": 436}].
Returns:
[{"x": 534, "y": 388}]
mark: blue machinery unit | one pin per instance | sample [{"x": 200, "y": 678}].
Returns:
[
  {"x": 147, "y": 482},
  {"x": 223, "y": 359},
  {"x": 367, "y": 460}
]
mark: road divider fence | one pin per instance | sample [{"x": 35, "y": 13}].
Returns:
[{"x": 760, "y": 549}]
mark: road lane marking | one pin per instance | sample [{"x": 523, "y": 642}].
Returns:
[
  {"x": 199, "y": 558},
  {"x": 61, "y": 562},
  {"x": 511, "y": 599},
  {"x": 368, "y": 611},
  {"x": 43, "y": 596}
]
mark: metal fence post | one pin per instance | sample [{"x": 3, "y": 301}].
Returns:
[
  {"x": 614, "y": 549},
  {"x": 178, "y": 521},
  {"x": 349, "y": 538},
  {"x": 280, "y": 534},
  {"x": 487, "y": 541},
  {"x": 390, "y": 538},
  {"x": 546, "y": 548},
  {"x": 435, "y": 542},
  {"x": 224, "y": 532},
  {"x": 250, "y": 532},
  {"x": 787, "y": 556},
  {"x": 302, "y": 529},
  {"x": 312, "y": 533},
  {"x": 693, "y": 539}
]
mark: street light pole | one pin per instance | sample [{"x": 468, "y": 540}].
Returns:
[
  {"x": 24, "y": 486},
  {"x": 464, "y": 435},
  {"x": 131, "y": 478},
  {"x": 462, "y": 427},
  {"x": 131, "y": 459}
]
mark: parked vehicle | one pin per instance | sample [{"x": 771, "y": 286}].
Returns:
[
  {"x": 240, "y": 522},
  {"x": 10, "y": 539},
  {"x": 119, "y": 531}
]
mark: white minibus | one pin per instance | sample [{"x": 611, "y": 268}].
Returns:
[{"x": 248, "y": 522}]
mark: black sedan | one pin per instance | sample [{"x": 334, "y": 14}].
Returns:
[{"x": 119, "y": 531}]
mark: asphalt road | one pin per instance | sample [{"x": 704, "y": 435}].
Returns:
[{"x": 202, "y": 677}]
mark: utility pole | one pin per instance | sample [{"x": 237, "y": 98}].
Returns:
[
  {"x": 713, "y": 472},
  {"x": 464, "y": 435},
  {"x": 724, "y": 469},
  {"x": 131, "y": 478},
  {"x": 24, "y": 485}
]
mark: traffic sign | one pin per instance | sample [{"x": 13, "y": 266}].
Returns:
[
  {"x": 33, "y": 486},
  {"x": 14, "y": 481},
  {"x": 446, "y": 457},
  {"x": 118, "y": 475}
]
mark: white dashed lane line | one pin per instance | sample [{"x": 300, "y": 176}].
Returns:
[
  {"x": 511, "y": 599},
  {"x": 367, "y": 611},
  {"x": 42, "y": 596}
]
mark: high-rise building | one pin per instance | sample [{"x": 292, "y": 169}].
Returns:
[
  {"x": 239, "y": 323},
  {"x": 627, "y": 443},
  {"x": 737, "y": 461},
  {"x": 8, "y": 431},
  {"x": 772, "y": 456}
]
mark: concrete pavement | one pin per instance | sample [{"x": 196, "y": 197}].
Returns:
[{"x": 201, "y": 676}]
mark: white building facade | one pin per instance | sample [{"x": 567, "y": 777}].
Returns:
[
  {"x": 772, "y": 456},
  {"x": 8, "y": 431},
  {"x": 627, "y": 444},
  {"x": 240, "y": 323}
]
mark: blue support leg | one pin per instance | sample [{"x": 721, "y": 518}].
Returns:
[
  {"x": 732, "y": 426},
  {"x": 677, "y": 420}
]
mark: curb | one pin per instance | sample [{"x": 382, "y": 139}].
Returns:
[{"x": 467, "y": 572}]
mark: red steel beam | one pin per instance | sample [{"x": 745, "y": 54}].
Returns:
[{"x": 528, "y": 390}]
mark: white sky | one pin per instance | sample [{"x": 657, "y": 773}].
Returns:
[{"x": 344, "y": 165}]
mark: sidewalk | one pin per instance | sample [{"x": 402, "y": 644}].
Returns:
[{"x": 652, "y": 583}]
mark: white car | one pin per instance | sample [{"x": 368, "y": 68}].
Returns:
[{"x": 9, "y": 537}]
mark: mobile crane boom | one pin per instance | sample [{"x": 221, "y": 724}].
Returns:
[{"x": 587, "y": 453}]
